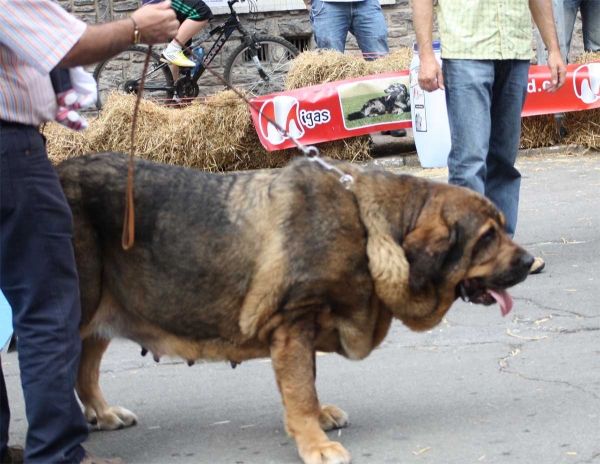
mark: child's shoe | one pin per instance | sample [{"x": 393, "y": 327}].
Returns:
[
  {"x": 75, "y": 101},
  {"x": 71, "y": 119}
]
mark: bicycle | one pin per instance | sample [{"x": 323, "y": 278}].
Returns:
[{"x": 259, "y": 65}]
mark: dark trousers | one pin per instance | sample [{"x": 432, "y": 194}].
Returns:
[
  {"x": 61, "y": 80},
  {"x": 39, "y": 279}
]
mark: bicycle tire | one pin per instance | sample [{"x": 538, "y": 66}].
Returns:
[
  {"x": 112, "y": 74},
  {"x": 275, "y": 56}
]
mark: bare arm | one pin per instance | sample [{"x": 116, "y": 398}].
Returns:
[
  {"x": 430, "y": 72},
  {"x": 542, "y": 13},
  {"x": 157, "y": 23}
]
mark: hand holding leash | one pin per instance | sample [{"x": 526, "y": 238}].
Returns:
[{"x": 157, "y": 23}]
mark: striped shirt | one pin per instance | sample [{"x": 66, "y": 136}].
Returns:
[
  {"x": 485, "y": 29},
  {"x": 34, "y": 36}
]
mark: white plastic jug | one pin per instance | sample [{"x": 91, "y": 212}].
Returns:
[{"x": 429, "y": 117}]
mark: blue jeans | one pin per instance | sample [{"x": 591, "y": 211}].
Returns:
[
  {"x": 590, "y": 19},
  {"x": 364, "y": 19},
  {"x": 485, "y": 99},
  {"x": 39, "y": 279}
]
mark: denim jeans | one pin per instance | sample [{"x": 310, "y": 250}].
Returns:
[
  {"x": 484, "y": 100},
  {"x": 39, "y": 279},
  {"x": 364, "y": 19},
  {"x": 590, "y": 19}
]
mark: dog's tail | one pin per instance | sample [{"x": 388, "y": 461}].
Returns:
[{"x": 356, "y": 115}]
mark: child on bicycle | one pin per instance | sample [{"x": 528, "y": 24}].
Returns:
[{"x": 192, "y": 16}]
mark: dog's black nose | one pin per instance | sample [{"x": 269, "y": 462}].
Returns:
[{"x": 526, "y": 261}]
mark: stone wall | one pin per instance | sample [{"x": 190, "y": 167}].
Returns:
[
  {"x": 293, "y": 25},
  {"x": 288, "y": 24}
]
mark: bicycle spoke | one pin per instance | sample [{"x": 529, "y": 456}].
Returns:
[
  {"x": 123, "y": 74},
  {"x": 274, "y": 54}
]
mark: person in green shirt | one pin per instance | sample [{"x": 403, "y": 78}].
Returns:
[{"x": 486, "y": 52}]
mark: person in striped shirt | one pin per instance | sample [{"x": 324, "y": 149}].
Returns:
[
  {"x": 38, "y": 275},
  {"x": 486, "y": 52}
]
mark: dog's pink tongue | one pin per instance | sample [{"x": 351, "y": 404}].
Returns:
[{"x": 504, "y": 300}]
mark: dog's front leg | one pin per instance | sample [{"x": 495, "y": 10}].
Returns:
[{"x": 292, "y": 353}]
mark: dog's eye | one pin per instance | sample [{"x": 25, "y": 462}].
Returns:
[
  {"x": 485, "y": 240},
  {"x": 489, "y": 236}
]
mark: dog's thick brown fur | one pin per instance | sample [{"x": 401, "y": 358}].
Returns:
[{"x": 274, "y": 264}]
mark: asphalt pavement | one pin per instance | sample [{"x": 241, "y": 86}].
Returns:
[{"x": 479, "y": 388}]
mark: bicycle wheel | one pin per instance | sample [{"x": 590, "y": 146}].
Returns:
[
  {"x": 274, "y": 54},
  {"x": 124, "y": 73}
]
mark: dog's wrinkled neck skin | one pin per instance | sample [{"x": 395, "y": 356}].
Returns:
[{"x": 388, "y": 224}]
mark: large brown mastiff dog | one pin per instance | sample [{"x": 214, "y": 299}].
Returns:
[{"x": 275, "y": 264}]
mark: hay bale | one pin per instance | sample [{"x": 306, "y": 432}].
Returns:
[
  {"x": 538, "y": 131},
  {"x": 587, "y": 57},
  {"x": 322, "y": 66},
  {"x": 217, "y": 134},
  {"x": 583, "y": 127},
  {"x": 395, "y": 61},
  {"x": 64, "y": 143}
]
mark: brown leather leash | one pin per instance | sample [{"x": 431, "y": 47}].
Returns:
[
  {"x": 312, "y": 152},
  {"x": 128, "y": 239}
]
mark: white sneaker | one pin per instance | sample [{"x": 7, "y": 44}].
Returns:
[{"x": 177, "y": 58}]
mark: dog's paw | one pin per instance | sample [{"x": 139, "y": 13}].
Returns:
[
  {"x": 326, "y": 453},
  {"x": 332, "y": 417},
  {"x": 111, "y": 419}
]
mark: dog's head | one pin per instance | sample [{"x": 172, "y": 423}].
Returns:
[
  {"x": 436, "y": 242},
  {"x": 397, "y": 89}
]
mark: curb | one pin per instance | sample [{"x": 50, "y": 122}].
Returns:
[{"x": 402, "y": 157}]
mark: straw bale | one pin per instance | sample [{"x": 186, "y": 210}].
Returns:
[
  {"x": 217, "y": 134},
  {"x": 395, "y": 61},
  {"x": 322, "y": 66},
  {"x": 211, "y": 136},
  {"x": 538, "y": 131},
  {"x": 587, "y": 57},
  {"x": 582, "y": 127}
]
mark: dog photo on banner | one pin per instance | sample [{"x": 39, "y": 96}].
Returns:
[{"x": 369, "y": 103}]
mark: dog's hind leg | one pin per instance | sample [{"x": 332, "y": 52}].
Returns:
[
  {"x": 97, "y": 411},
  {"x": 292, "y": 348}
]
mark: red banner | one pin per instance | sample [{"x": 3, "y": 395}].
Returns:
[
  {"x": 580, "y": 92},
  {"x": 364, "y": 105}
]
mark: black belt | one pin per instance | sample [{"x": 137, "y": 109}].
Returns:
[{"x": 20, "y": 125}]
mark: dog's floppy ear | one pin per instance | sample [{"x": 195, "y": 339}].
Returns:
[
  {"x": 426, "y": 249},
  {"x": 387, "y": 262}
]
